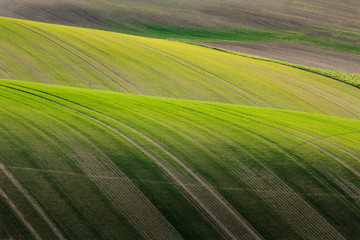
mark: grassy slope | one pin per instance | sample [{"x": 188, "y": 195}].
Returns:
[
  {"x": 289, "y": 174},
  {"x": 111, "y": 61}
]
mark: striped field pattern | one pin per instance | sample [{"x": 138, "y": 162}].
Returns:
[
  {"x": 103, "y": 60},
  {"x": 86, "y": 164}
]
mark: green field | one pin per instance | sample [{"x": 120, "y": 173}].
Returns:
[
  {"x": 107, "y": 135},
  {"x": 111, "y": 61},
  {"x": 88, "y": 164}
]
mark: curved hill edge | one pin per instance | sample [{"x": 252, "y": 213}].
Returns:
[{"x": 112, "y": 61}]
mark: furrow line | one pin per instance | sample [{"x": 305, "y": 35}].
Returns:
[
  {"x": 33, "y": 202},
  {"x": 227, "y": 212},
  {"x": 19, "y": 214}
]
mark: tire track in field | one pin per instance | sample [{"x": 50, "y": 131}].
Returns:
[
  {"x": 288, "y": 203},
  {"x": 19, "y": 214},
  {"x": 33, "y": 202},
  {"x": 180, "y": 60},
  {"x": 140, "y": 212},
  {"x": 75, "y": 55},
  {"x": 228, "y": 221},
  {"x": 116, "y": 73}
]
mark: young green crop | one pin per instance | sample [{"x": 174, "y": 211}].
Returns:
[
  {"x": 111, "y": 61},
  {"x": 198, "y": 169}
]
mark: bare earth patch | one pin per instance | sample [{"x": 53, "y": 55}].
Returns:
[{"x": 298, "y": 53}]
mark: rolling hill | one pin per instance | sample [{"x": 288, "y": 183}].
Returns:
[
  {"x": 111, "y": 61},
  {"x": 86, "y": 164},
  {"x": 326, "y": 31}
]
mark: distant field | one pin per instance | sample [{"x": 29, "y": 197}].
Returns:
[
  {"x": 330, "y": 23},
  {"x": 111, "y": 61},
  {"x": 304, "y": 54},
  {"x": 85, "y": 164}
]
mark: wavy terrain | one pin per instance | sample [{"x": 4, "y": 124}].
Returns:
[
  {"x": 111, "y": 61},
  {"x": 128, "y": 166}
]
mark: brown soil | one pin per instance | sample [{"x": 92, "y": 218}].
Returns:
[
  {"x": 312, "y": 17},
  {"x": 298, "y": 53}
]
